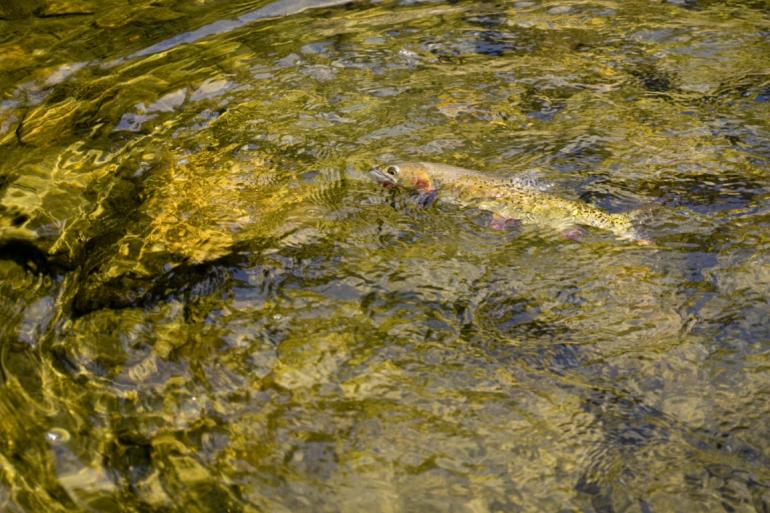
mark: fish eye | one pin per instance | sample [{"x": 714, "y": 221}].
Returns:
[{"x": 392, "y": 170}]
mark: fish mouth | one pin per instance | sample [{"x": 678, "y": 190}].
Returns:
[{"x": 382, "y": 178}]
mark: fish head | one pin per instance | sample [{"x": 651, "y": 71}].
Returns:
[{"x": 405, "y": 175}]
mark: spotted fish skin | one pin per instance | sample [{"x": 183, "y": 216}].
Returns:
[{"x": 505, "y": 198}]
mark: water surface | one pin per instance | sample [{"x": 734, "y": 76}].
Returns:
[{"x": 206, "y": 304}]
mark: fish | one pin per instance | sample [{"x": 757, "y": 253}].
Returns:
[{"x": 509, "y": 200}]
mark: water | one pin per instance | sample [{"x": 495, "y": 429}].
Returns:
[{"x": 208, "y": 306}]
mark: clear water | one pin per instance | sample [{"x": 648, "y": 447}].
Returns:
[{"x": 206, "y": 304}]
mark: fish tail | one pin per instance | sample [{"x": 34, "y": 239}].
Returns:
[
  {"x": 642, "y": 216},
  {"x": 640, "y": 220}
]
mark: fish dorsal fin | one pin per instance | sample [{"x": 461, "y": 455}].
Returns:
[{"x": 530, "y": 179}]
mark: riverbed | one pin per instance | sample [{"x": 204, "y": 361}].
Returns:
[{"x": 207, "y": 305}]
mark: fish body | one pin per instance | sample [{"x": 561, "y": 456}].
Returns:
[{"x": 508, "y": 199}]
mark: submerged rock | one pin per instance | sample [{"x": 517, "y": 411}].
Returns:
[
  {"x": 198, "y": 215},
  {"x": 13, "y": 9}
]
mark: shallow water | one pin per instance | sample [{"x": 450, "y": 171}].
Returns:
[{"x": 206, "y": 304}]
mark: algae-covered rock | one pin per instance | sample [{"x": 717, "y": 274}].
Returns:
[
  {"x": 52, "y": 8},
  {"x": 12, "y": 9},
  {"x": 304, "y": 362},
  {"x": 197, "y": 212},
  {"x": 49, "y": 123}
]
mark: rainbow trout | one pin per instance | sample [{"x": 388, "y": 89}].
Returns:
[{"x": 506, "y": 199}]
